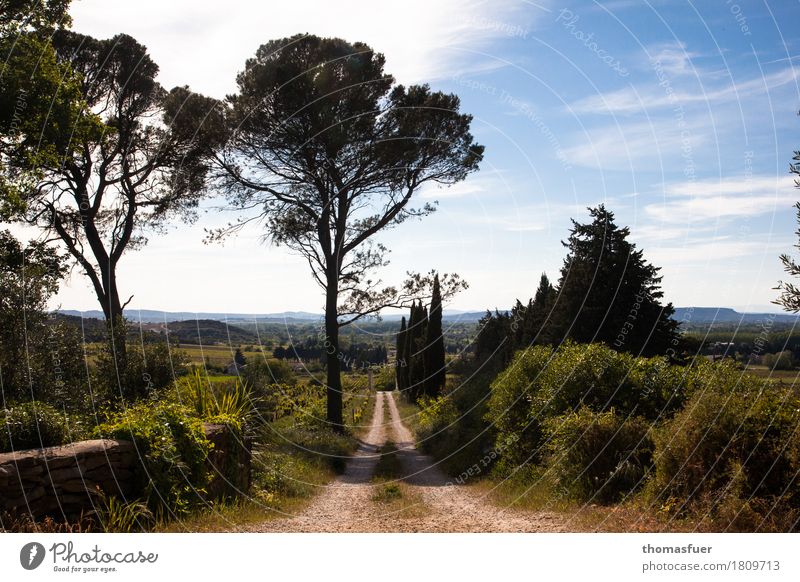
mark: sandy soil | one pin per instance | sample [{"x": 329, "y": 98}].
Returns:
[{"x": 347, "y": 505}]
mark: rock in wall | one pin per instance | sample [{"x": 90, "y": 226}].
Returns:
[{"x": 63, "y": 481}]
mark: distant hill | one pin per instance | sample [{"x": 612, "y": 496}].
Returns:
[
  {"x": 687, "y": 315},
  {"x": 705, "y": 315},
  {"x": 155, "y": 316},
  {"x": 208, "y": 331}
]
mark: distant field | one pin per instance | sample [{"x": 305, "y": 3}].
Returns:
[
  {"x": 789, "y": 377},
  {"x": 218, "y": 355}
]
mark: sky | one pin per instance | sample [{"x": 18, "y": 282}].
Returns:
[{"x": 680, "y": 117}]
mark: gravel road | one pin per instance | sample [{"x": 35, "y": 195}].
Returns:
[{"x": 346, "y": 505}]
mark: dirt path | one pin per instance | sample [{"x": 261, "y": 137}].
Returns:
[{"x": 347, "y": 505}]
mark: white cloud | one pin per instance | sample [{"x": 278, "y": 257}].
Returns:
[
  {"x": 730, "y": 198},
  {"x": 632, "y": 100},
  {"x": 621, "y": 146},
  {"x": 709, "y": 251},
  {"x": 204, "y": 44}
]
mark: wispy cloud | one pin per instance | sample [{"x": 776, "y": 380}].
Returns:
[
  {"x": 729, "y": 198},
  {"x": 710, "y": 250},
  {"x": 631, "y": 100},
  {"x": 622, "y": 146}
]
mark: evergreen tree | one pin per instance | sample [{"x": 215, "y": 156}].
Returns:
[
  {"x": 435, "y": 373},
  {"x": 416, "y": 351},
  {"x": 536, "y": 327},
  {"x": 401, "y": 364},
  {"x": 495, "y": 342},
  {"x": 609, "y": 293}
]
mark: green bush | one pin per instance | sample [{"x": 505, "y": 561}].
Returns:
[
  {"x": 436, "y": 414},
  {"x": 541, "y": 383},
  {"x": 509, "y": 408},
  {"x": 452, "y": 427},
  {"x": 173, "y": 448},
  {"x": 260, "y": 373},
  {"x": 151, "y": 367},
  {"x": 32, "y": 425},
  {"x": 737, "y": 438},
  {"x": 598, "y": 456},
  {"x": 780, "y": 361},
  {"x": 385, "y": 378}
]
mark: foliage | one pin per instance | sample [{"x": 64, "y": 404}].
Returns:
[
  {"x": 118, "y": 516},
  {"x": 433, "y": 356},
  {"x": 230, "y": 403},
  {"x": 385, "y": 378},
  {"x": 452, "y": 427},
  {"x": 436, "y": 414},
  {"x": 789, "y": 298},
  {"x": 261, "y": 372},
  {"x": 541, "y": 383},
  {"x": 597, "y": 456},
  {"x": 737, "y": 437},
  {"x": 173, "y": 449},
  {"x": 32, "y": 425},
  {"x": 781, "y": 361},
  {"x": 292, "y": 460},
  {"x": 608, "y": 293},
  {"x": 40, "y": 105},
  {"x": 151, "y": 366},
  {"x": 494, "y": 344}
]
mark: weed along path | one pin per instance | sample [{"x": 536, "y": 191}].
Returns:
[{"x": 434, "y": 504}]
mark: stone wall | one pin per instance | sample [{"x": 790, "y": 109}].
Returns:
[{"x": 63, "y": 481}]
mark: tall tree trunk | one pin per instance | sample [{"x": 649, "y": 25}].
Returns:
[
  {"x": 332, "y": 350},
  {"x": 117, "y": 330}
]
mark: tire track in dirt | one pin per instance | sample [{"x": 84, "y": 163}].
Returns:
[{"x": 347, "y": 505}]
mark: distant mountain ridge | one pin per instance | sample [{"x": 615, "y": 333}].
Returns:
[
  {"x": 688, "y": 315},
  {"x": 728, "y": 315},
  {"x": 155, "y": 316}
]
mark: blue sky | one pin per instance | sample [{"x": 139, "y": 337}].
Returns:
[{"x": 680, "y": 117}]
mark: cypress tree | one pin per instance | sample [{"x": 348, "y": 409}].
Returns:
[
  {"x": 416, "y": 346},
  {"x": 401, "y": 365},
  {"x": 435, "y": 373}
]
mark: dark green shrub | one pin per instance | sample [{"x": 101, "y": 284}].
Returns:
[
  {"x": 598, "y": 456},
  {"x": 509, "y": 411},
  {"x": 260, "y": 373},
  {"x": 541, "y": 383},
  {"x": 151, "y": 367},
  {"x": 452, "y": 427},
  {"x": 384, "y": 378},
  {"x": 32, "y": 425},
  {"x": 739, "y": 437},
  {"x": 173, "y": 449}
]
